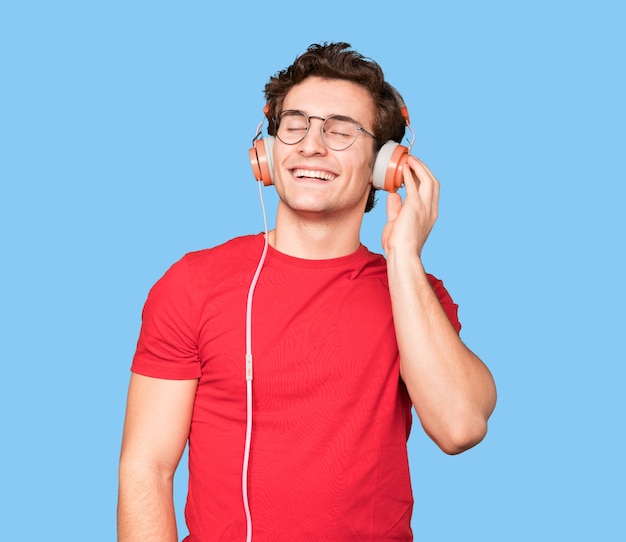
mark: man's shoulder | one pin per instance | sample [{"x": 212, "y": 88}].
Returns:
[
  {"x": 238, "y": 247},
  {"x": 207, "y": 267}
]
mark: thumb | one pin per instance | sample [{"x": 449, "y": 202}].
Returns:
[{"x": 394, "y": 204}]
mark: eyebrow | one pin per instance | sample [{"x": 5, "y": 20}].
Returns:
[{"x": 334, "y": 115}]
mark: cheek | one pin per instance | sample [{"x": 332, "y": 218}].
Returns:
[
  {"x": 372, "y": 161},
  {"x": 277, "y": 159},
  {"x": 281, "y": 153},
  {"x": 369, "y": 167}
]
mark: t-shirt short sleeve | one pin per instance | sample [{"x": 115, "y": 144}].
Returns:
[
  {"x": 167, "y": 345},
  {"x": 450, "y": 307}
]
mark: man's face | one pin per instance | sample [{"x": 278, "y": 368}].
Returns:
[{"x": 310, "y": 177}]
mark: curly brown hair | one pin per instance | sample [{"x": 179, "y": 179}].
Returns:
[{"x": 340, "y": 61}]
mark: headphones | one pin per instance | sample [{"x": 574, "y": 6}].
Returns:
[{"x": 387, "y": 174}]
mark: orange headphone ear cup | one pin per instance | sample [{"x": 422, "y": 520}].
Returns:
[
  {"x": 390, "y": 160},
  {"x": 261, "y": 160}
]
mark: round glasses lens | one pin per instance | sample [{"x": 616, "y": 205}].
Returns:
[
  {"x": 292, "y": 127},
  {"x": 339, "y": 133}
]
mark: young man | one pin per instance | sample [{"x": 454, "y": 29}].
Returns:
[{"x": 344, "y": 342}]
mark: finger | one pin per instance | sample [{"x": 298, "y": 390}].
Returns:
[
  {"x": 410, "y": 179},
  {"x": 435, "y": 181},
  {"x": 427, "y": 186}
]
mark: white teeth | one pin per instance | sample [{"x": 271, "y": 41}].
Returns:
[{"x": 313, "y": 174}]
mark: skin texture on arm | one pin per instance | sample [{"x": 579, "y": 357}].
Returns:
[
  {"x": 158, "y": 417},
  {"x": 452, "y": 391}
]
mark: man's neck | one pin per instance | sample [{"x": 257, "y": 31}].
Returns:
[{"x": 315, "y": 237}]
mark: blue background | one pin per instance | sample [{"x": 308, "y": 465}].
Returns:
[{"x": 124, "y": 135}]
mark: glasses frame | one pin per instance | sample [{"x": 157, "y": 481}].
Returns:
[{"x": 308, "y": 118}]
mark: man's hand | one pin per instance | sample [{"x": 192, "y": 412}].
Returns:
[{"x": 410, "y": 223}]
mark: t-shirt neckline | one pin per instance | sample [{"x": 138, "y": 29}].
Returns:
[{"x": 280, "y": 257}]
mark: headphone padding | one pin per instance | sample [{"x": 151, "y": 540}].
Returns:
[
  {"x": 261, "y": 160},
  {"x": 387, "y": 174}
]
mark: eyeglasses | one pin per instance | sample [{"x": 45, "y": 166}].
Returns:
[{"x": 338, "y": 132}]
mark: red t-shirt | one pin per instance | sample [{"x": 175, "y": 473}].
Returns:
[{"x": 331, "y": 416}]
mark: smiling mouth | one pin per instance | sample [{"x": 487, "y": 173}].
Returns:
[{"x": 313, "y": 174}]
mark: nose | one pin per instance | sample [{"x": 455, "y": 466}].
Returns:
[{"x": 313, "y": 143}]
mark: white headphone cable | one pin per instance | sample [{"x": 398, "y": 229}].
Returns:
[{"x": 246, "y": 455}]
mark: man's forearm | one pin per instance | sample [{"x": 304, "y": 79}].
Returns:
[
  {"x": 452, "y": 390},
  {"x": 145, "y": 510}
]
